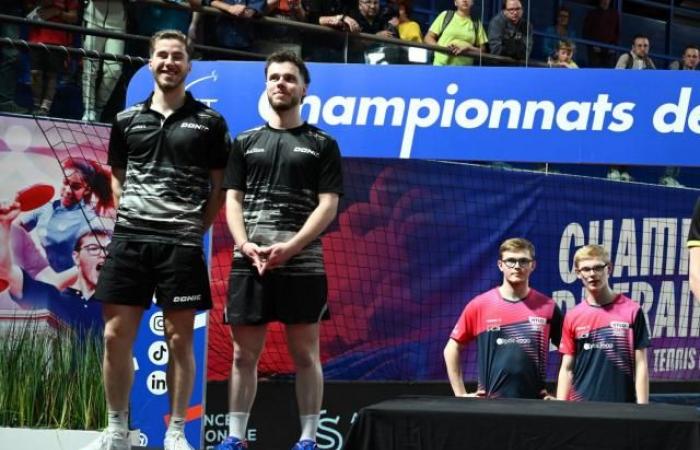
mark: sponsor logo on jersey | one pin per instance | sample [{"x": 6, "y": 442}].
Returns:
[
  {"x": 250, "y": 151},
  {"x": 510, "y": 341},
  {"x": 308, "y": 151},
  {"x": 194, "y": 126},
  {"x": 598, "y": 346},
  {"x": 537, "y": 323},
  {"x": 619, "y": 328},
  {"x": 187, "y": 298}
]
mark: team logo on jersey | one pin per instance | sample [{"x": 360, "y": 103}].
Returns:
[
  {"x": 250, "y": 151},
  {"x": 194, "y": 126},
  {"x": 537, "y": 323},
  {"x": 583, "y": 332},
  {"x": 308, "y": 151},
  {"x": 493, "y": 324}
]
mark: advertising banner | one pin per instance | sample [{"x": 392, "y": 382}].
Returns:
[
  {"x": 474, "y": 113},
  {"x": 57, "y": 171}
]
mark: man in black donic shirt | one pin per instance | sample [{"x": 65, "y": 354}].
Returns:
[
  {"x": 168, "y": 156},
  {"x": 283, "y": 181}
]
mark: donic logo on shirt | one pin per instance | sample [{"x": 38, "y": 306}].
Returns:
[
  {"x": 194, "y": 126},
  {"x": 308, "y": 151}
]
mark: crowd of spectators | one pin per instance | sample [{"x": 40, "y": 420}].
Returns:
[{"x": 463, "y": 35}]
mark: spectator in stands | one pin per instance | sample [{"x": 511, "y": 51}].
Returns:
[
  {"x": 237, "y": 34},
  {"x": 563, "y": 56},
  {"x": 509, "y": 33},
  {"x": 367, "y": 16},
  {"x": 637, "y": 59},
  {"x": 46, "y": 66},
  {"x": 604, "y": 339},
  {"x": 151, "y": 18},
  {"x": 603, "y": 25},
  {"x": 459, "y": 34},
  {"x": 409, "y": 30},
  {"x": 550, "y": 46},
  {"x": 508, "y": 314},
  {"x": 333, "y": 14},
  {"x": 8, "y": 58},
  {"x": 278, "y": 38},
  {"x": 109, "y": 16},
  {"x": 689, "y": 60},
  {"x": 638, "y": 56}
]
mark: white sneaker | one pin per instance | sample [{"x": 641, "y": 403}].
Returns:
[
  {"x": 176, "y": 440},
  {"x": 109, "y": 440}
]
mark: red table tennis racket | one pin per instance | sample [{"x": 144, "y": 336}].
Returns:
[
  {"x": 3, "y": 284},
  {"x": 34, "y": 196}
]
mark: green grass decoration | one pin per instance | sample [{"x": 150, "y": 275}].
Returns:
[{"x": 50, "y": 378}]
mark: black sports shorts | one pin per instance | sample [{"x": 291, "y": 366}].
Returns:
[
  {"x": 290, "y": 299},
  {"x": 134, "y": 271}
]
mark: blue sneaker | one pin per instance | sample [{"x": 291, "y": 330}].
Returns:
[
  {"x": 232, "y": 443},
  {"x": 306, "y": 444}
]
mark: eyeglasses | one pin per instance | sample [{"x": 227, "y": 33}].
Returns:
[
  {"x": 516, "y": 9},
  {"x": 94, "y": 249},
  {"x": 594, "y": 269},
  {"x": 512, "y": 262}
]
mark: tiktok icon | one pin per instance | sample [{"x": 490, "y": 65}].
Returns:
[{"x": 158, "y": 353}]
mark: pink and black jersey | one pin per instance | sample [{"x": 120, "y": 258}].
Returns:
[
  {"x": 603, "y": 340},
  {"x": 513, "y": 341}
]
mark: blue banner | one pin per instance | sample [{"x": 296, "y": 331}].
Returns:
[{"x": 490, "y": 114}]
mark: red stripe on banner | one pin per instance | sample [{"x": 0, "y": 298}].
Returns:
[{"x": 193, "y": 413}]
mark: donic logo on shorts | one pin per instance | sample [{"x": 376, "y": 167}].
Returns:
[
  {"x": 194, "y": 126},
  {"x": 308, "y": 151},
  {"x": 187, "y": 298}
]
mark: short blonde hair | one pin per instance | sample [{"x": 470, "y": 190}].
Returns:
[
  {"x": 516, "y": 245},
  {"x": 591, "y": 251}
]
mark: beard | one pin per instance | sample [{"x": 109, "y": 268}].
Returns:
[
  {"x": 173, "y": 83},
  {"x": 283, "y": 105}
]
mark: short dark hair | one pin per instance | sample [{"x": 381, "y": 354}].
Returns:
[
  {"x": 88, "y": 232},
  {"x": 170, "y": 34},
  {"x": 639, "y": 36},
  {"x": 690, "y": 47},
  {"x": 290, "y": 57}
]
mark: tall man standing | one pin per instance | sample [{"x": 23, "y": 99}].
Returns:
[
  {"x": 167, "y": 156},
  {"x": 284, "y": 180}
]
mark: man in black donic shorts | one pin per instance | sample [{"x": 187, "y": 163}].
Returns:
[
  {"x": 283, "y": 181},
  {"x": 168, "y": 156}
]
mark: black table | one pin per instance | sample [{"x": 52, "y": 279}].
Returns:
[{"x": 449, "y": 423}]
